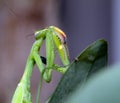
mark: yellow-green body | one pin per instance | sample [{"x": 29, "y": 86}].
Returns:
[{"x": 54, "y": 39}]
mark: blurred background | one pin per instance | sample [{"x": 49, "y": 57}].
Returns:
[{"x": 83, "y": 21}]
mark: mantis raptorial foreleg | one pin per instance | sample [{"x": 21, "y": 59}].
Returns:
[
  {"x": 60, "y": 41},
  {"x": 54, "y": 35},
  {"x": 49, "y": 55}
]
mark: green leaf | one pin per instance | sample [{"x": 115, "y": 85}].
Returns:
[
  {"x": 90, "y": 60},
  {"x": 103, "y": 87}
]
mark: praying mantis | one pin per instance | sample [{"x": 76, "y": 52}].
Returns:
[{"x": 55, "y": 40}]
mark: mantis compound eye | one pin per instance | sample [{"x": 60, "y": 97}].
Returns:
[
  {"x": 43, "y": 59},
  {"x": 40, "y": 34}
]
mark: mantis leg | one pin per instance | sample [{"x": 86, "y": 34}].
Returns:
[
  {"x": 49, "y": 55},
  {"x": 39, "y": 61},
  {"x": 36, "y": 56},
  {"x": 46, "y": 73},
  {"x": 61, "y": 69},
  {"x": 61, "y": 47},
  {"x": 49, "y": 49}
]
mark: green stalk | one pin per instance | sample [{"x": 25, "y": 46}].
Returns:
[{"x": 39, "y": 89}]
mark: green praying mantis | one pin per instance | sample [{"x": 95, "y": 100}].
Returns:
[{"x": 55, "y": 40}]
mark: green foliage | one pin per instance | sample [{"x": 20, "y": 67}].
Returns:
[
  {"x": 91, "y": 60},
  {"x": 101, "y": 88}
]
